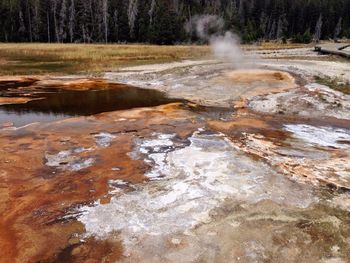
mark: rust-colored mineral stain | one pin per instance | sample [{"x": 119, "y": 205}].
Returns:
[
  {"x": 78, "y": 84},
  {"x": 11, "y": 81},
  {"x": 262, "y": 81},
  {"x": 268, "y": 76},
  {"x": 37, "y": 200},
  {"x": 91, "y": 250},
  {"x": 252, "y": 123},
  {"x": 13, "y": 100},
  {"x": 241, "y": 122},
  {"x": 73, "y": 83},
  {"x": 34, "y": 197}
]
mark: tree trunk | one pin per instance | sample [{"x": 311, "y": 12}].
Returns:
[
  {"x": 71, "y": 21},
  {"x": 29, "y": 22},
  {"x": 55, "y": 21},
  {"x": 132, "y": 14},
  {"x": 318, "y": 29},
  {"x": 105, "y": 18},
  {"x": 48, "y": 27}
]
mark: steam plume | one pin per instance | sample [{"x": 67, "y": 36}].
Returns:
[{"x": 224, "y": 45}]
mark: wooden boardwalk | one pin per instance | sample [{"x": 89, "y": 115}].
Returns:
[{"x": 340, "y": 49}]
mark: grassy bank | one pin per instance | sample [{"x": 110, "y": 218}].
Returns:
[{"x": 28, "y": 59}]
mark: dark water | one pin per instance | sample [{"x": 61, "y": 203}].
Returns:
[{"x": 57, "y": 104}]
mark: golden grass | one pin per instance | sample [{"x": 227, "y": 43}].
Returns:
[
  {"x": 54, "y": 59},
  {"x": 28, "y": 59},
  {"x": 275, "y": 46}
]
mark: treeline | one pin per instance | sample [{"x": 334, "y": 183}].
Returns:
[{"x": 162, "y": 21}]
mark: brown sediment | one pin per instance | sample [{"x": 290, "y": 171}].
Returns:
[
  {"x": 245, "y": 122},
  {"x": 248, "y": 122},
  {"x": 251, "y": 75},
  {"x": 90, "y": 250},
  {"x": 78, "y": 83},
  {"x": 241, "y": 104},
  {"x": 71, "y": 83},
  {"x": 267, "y": 81},
  {"x": 237, "y": 129},
  {"x": 264, "y": 82},
  {"x": 14, "y": 100},
  {"x": 17, "y": 81},
  {"x": 35, "y": 198}
]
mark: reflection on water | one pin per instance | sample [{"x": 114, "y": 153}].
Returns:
[{"x": 58, "y": 103}]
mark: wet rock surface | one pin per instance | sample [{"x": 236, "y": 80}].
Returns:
[
  {"x": 312, "y": 100},
  {"x": 192, "y": 182},
  {"x": 256, "y": 170},
  {"x": 47, "y": 169}
]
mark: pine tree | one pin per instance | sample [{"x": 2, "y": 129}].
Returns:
[{"x": 138, "y": 21}]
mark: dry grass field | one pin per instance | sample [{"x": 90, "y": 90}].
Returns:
[
  {"x": 28, "y": 59},
  {"x": 43, "y": 58},
  {"x": 275, "y": 46}
]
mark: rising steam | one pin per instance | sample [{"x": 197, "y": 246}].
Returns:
[
  {"x": 226, "y": 48},
  {"x": 206, "y": 26},
  {"x": 224, "y": 45}
]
